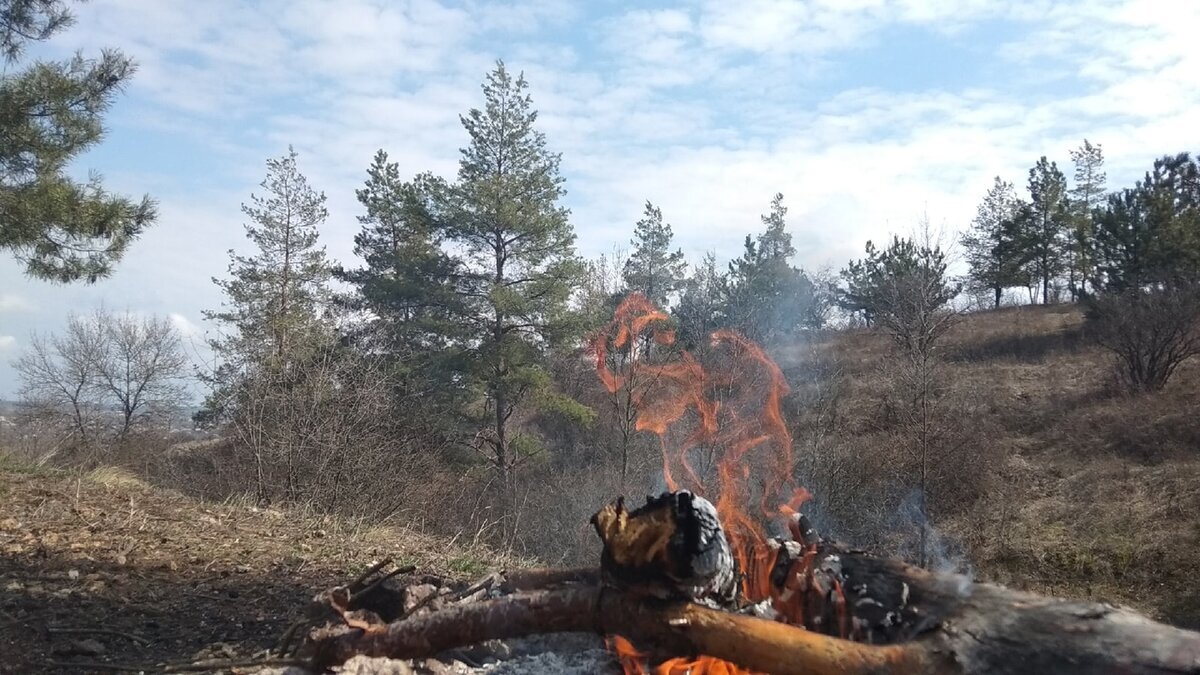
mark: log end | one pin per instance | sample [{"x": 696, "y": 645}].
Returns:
[{"x": 673, "y": 547}]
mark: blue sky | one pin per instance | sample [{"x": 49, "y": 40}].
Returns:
[{"x": 866, "y": 114}]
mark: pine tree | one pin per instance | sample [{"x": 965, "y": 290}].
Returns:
[
  {"x": 273, "y": 314},
  {"x": 775, "y": 243},
  {"x": 1085, "y": 198},
  {"x": 858, "y": 290},
  {"x": 652, "y": 267},
  {"x": 1147, "y": 311},
  {"x": 895, "y": 287},
  {"x": 406, "y": 287},
  {"x": 993, "y": 244},
  {"x": 701, "y": 306},
  {"x": 1046, "y": 224},
  {"x": 767, "y": 298},
  {"x": 50, "y": 113},
  {"x": 1150, "y": 234},
  {"x": 518, "y": 267}
]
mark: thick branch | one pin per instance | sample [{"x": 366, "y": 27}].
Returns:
[
  {"x": 677, "y": 628},
  {"x": 539, "y": 578}
]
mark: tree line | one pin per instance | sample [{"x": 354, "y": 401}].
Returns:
[
  {"x": 1132, "y": 256},
  {"x": 1084, "y": 237},
  {"x": 458, "y": 334}
]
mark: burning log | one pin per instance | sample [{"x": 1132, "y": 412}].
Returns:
[
  {"x": 673, "y": 626},
  {"x": 673, "y": 547},
  {"x": 901, "y": 619},
  {"x": 991, "y": 630}
]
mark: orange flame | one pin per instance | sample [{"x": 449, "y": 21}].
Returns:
[
  {"x": 728, "y": 411},
  {"x": 634, "y": 662},
  {"x": 734, "y": 410}
]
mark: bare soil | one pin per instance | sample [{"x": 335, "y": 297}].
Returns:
[{"x": 100, "y": 571}]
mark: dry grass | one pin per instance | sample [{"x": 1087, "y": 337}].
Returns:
[
  {"x": 115, "y": 477},
  {"x": 1095, "y": 493}
]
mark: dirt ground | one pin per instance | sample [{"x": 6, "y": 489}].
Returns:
[{"x": 101, "y": 573}]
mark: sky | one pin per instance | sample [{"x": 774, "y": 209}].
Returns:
[{"x": 868, "y": 115}]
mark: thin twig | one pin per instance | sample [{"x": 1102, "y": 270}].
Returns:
[
  {"x": 98, "y": 631},
  {"x": 201, "y": 596},
  {"x": 487, "y": 582},
  {"x": 9, "y": 618},
  {"x": 424, "y": 602},
  {"x": 380, "y": 580},
  {"x": 284, "y": 646},
  {"x": 362, "y": 578},
  {"x": 77, "y": 666}
]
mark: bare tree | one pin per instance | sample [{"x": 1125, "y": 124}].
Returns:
[
  {"x": 141, "y": 366},
  {"x": 57, "y": 374},
  {"x": 101, "y": 362}
]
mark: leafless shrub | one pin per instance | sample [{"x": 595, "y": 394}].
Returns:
[
  {"x": 326, "y": 433},
  {"x": 1151, "y": 332}
]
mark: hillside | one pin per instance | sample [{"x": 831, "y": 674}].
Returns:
[
  {"x": 1082, "y": 490},
  {"x": 102, "y": 568},
  {"x": 1064, "y": 486}
]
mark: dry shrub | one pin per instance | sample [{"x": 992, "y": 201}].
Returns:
[
  {"x": 329, "y": 433},
  {"x": 1151, "y": 332}
]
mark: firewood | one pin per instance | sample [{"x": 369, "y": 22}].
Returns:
[
  {"x": 664, "y": 559},
  {"x": 675, "y": 627},
  {"x": 541, "y": 577},
  {"x": 991, "y": 630}
]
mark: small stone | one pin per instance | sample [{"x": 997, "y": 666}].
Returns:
[
  {"x": 89, "y": 647},
  {"x": 435, "y": 667}
]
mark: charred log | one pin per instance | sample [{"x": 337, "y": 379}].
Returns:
[
  {"x": 658, "y": 562},
  {"x": 673, "y": 547},
  {"x": 991, "y": 630}
]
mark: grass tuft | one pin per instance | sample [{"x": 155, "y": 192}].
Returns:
[{"x": 115, "y": 477}]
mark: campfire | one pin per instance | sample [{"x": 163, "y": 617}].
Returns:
[
  {"x": 725, "y": 575},
  {"x": 733, "y": 407}
]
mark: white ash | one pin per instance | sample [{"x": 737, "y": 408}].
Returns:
[{"x": 569, "y": 653}]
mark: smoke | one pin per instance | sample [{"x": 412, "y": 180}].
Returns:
[{"x": 943, "y": 554}]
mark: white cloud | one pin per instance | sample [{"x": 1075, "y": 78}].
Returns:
[
  {"x": 11, "y": 302},
  {"x": 186, "y": 328},
  {"x": 7, "y": 342}
]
